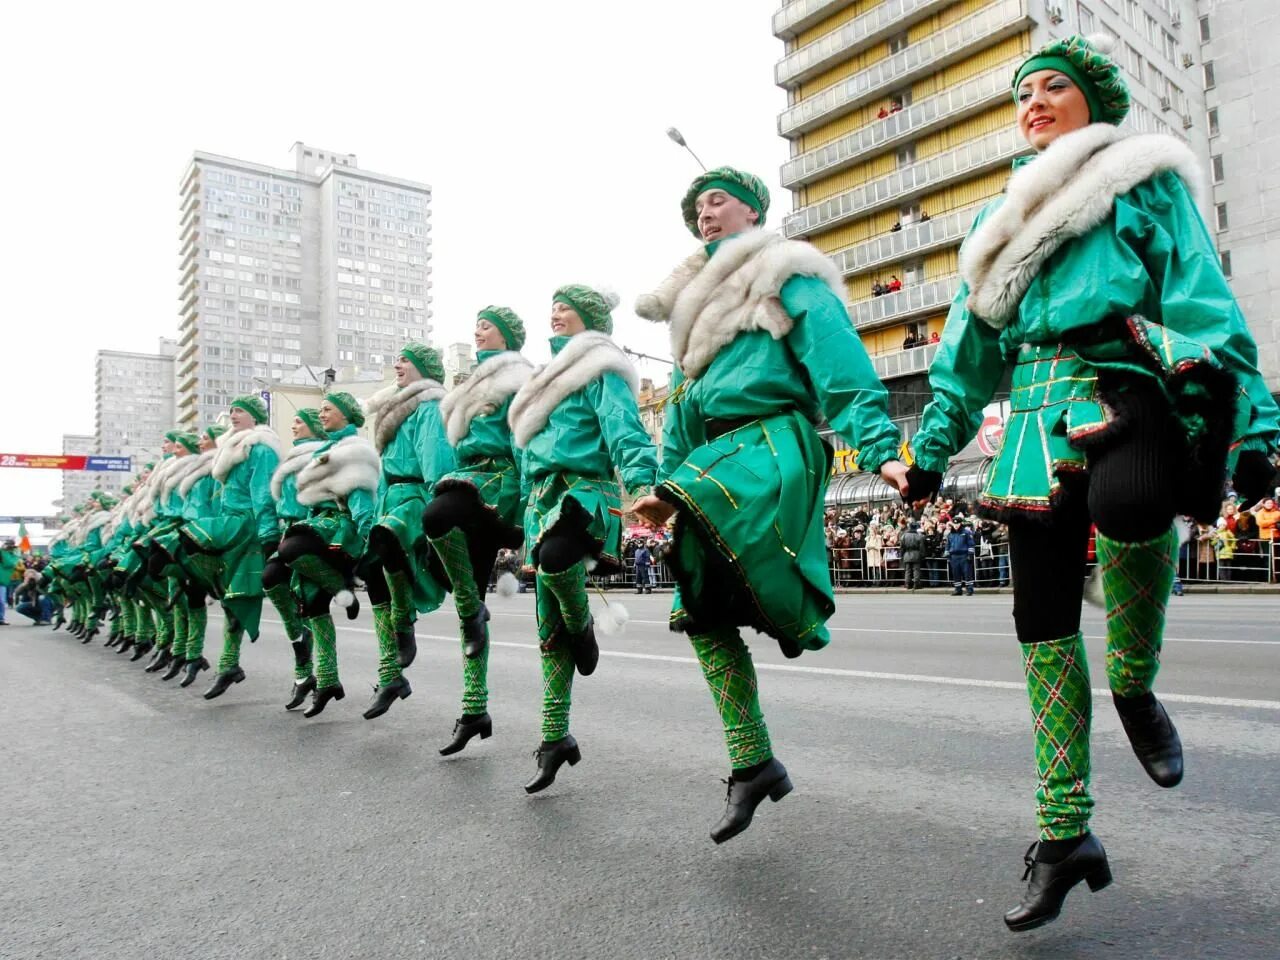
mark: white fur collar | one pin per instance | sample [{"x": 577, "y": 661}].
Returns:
[
  {"x": 201, "y": 468},
  {"x": 350, "y": 464},
  {"x": 488, "y": 388},
  {"x": 96, "y": 520},
  {"x": 182, "y": 466},
  {"x": 233, "y": 448},
  {"x": 1062, "y": 194},
  {"x": 293, "y": 460},
  {"x": 586, "y": 357},
  {"x": 709, "y": 301},
  {"x": 392, "y": 406}
]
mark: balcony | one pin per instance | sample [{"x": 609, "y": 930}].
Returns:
[
  {"x": 188, "y": 228},
  {"x": 904, "y": 363},
  {"x": 187, "y": 335},
  {"x": 963, "y": 163},
  {"x": 979, "y": 31},
  {"x": 912, "y": 240},
  {"x": 798, "y": 15},
  {"x": 881, "y": 135},
  {"x": 859, "y": 33},
  {"x": 916, "y": 300}
]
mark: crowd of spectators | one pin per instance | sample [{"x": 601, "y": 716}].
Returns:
[
  {"x": 1241, "y": 546},
  {"x": 20, "y": 588}
]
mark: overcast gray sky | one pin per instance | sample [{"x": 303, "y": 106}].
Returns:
[{"x": 540, "y": 127}]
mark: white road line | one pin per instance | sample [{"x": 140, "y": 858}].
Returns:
[{"x": 857, "y": 674}]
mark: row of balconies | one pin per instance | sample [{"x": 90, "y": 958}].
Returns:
[
  {"x": 904, "y": 363},
  {"x": 913, "y": 240},
  {"x": 797, "y": 15},
  {"x": 977, "y": 31},
  {"x": 912, "y": 301}
]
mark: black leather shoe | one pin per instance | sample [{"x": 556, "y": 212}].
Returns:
[
  {"x": 320, "y": 699},
  {"x": 386, "y": 695},
  {"x": 59, "y": 621},
  {"x": 176, "y": 665},
  {"x": 141, "y": 649},
  {"x": 76, "y": 628},
  {"x": 86, "y": 636},
  {"x": 160, "y": 661},
  {"x": 1155, "y": 741},
  {"x": 125, "y": 643},
  {"x": 475, "y": 637},
  {"x": 464, "y": 730},
  {"x": 745, "y": 795},
  {"x": 193, "y": 668},
  {"x": 300, "y": 690},
  {"x": 406, "y": 646},
  {"x": 551, "y": 757},
  {"x": 585, "y": 650},
  {"x": 112, "y": 640},
  {"x": 1051, "y": 882},
  {"x": 223, "y": 681}
]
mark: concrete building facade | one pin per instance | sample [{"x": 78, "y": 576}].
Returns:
[
  {"x": 78, "y": 484},
  {"x": 134, "y": 405},
  {"x": 325, "y": 264}
]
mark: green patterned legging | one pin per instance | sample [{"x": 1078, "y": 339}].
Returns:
[
  {"x": 1136, "y": 581},
  {"x": 324, "y": 639},
  {"x": 385, "y": 630},
  {"x": 232, "y": 638},
  {"x": 557, "y": 662},
  {"x": 181, "y": 617},
  {"x": 282, "y": 599},
  {"x": 1061, "y": 706},
  {"x": 731, "y": 677},
  {"x": 454, "y": 552},
  {"x": 197, "y": 623}
]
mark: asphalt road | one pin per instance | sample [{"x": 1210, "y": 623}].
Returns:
[{"x": 140, "y": 821}]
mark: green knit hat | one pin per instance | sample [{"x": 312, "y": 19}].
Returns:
[
  {"x": 173, "y": 435},
  {"x": 1087, "y": 62},
  {"x": 739, "y": 184},
  {"x": 311, "y": 417},
  {"x": 593, "y": 307},
  {"x": 348, "y": 405},
  {"x": 214, "y": 430},
  {"x": 252, "y": 405},
  {"x": 509, "y": 325},
  {"x": 190, "y": 441},
  {"x": 127, "y": 489},
  {"x": 426, "y": 359}
]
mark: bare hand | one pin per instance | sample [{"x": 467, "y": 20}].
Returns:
[
  {"x": 894, "y": 473},
  {"x": 654, "y": 511}
]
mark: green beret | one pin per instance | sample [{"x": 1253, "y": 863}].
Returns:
[
  {"x": 127, "y": 489},
  {"x": 426, "y": 359},
  {"x": 173, "y": 435},
  {"x": 190, "y": 441},
  {"x": 593, "y": 307},
  {"x": 348, "y": 405},
  {"x": 1087, "y": 63},
  {"x": 311, "y": 417},
  {"x": 505, "y": 319},
  {"x": 149, "y": 465},
  {"x": 252, "y": 405},
  {"x": 214, "y": 430},
  {"x": 744, "y": 186}
]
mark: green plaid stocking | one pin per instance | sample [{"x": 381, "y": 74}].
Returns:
[
  {"x": 1136, "y": 580},
  {"x": 282, "y": 599},
  {"x": 384, "y": 627},
  {"x": 726, "y": 664},
  {"x": 324, "y": 639},
  {"x": 557, "y": 687},
  {"x": 318, "y": 571},
  {"x": 456, "y": 557},
  {"x": 144, "y": 623},
  {"x": 164, "y": 627},
  {"x": 127, "y": 619},
  {"x": 180, "y": 615},
  {"x": 475, "y": 689},
  {"x": 400, "y": 586},
  {"x": 1061, "y": 705},
  {"x": 570, "y": 590},
  {"x": 197, "y": 621},
  {"x": 232, "y": 637}
]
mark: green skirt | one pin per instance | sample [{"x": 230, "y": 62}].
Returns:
[
  {"x": 335, "y": 527},
  {"x": 496, "y": 484},
  {"x": 749, "y": 548},
  {"x": 567, "y": 504},
  {"x": 400, "y": 516},
  {"x": 232, "y": 538}
]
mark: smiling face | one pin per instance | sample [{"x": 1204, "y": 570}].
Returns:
[
  {"x": 1049, "y": 105},
  {"x": 720, "y": 215},
  {"x": 241, "y": 419},
  {"x": 489, "y": 337},
  {"x": 207, "y": 443},
  {"x": 300, "y": 429},
  {"x": 406, "y": 372},
  {"x": 331, "y": 418},
  {"x": 565, "y": 321}
]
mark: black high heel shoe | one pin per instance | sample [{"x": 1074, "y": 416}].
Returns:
[
  {"x": 223, "y": 682},
  {"x": 300, "y": 690},
  {"x": 321, "y": 697},
  {"x": 480, "y": 725},
  {"x": 386, "y": 695},
  {"x": 1153, "y": 737},
  {"x": 161, "y": 660},
  {"x": 141, "y": 649},
  {"x": 176, "y": 666},
  {"x": 551, "y": 757},
  {"x": 193, "y": 668},
  {"x": 474, "y": 635},
  {"x": 1051, "y": 882},
  {"x": 125, "y": 643},
  {"x": 744, "y": 796}
]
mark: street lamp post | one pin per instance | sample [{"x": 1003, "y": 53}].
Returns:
[{"x": 678, "y": 138}]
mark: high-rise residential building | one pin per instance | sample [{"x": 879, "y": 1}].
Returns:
[
  {"x": 900, "y": 120},
  {"x": 1238, "y": 41},
  {"x": 459, "y": 360},
  {"x": 133, "y": 405},
  {"x": 325, "y": 264},
  {"x": 78, "y": 484}
]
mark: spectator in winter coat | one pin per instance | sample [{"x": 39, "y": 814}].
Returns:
[
  {"x": 960, "y": 550},
  {"x": 912, "y": 544}
]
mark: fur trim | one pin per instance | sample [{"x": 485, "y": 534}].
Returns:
[
  {"x": 507, "y": 585},
  {"x": 95, "y": 520},
  {"x": 392, "y": 406},
  {"x": 586, "y": 357},
  {"x": 182, "y": 467},
  {"x": 344, "y": 598},
  {"x": 488, "y": 387},
  {"x": 233, "y": 448},
  {"x": 350, "y": 464},
  {"x": 709, "y": 301},
  {"x": 1060, "y": 195},
  {"x": 203, "y": 467},
  {"x": 294, "y": 459}
]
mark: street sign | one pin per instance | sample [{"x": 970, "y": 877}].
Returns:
[{"x": 54, "y": 461}]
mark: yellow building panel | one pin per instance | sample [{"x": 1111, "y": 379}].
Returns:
[
  {"x": 983, "y": 60},
  {"x": 941, "y": 263},
  {"x": 856, "y": 231},
  {"x": 843, "y": 180},
  {"x": 977, "y": 190},
  {"x": 834, "y": 129},
  {"x": 845, "y": 68},
  {"x": 835, "y": 21},
  {"x": 990, "y": 120}
]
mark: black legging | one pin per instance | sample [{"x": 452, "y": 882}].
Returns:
[
  {"x": 299, "y": 542},
  {"x": 464, "y": 510}
]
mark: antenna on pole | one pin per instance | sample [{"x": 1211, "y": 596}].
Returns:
[{"x": 678, "y": 138}]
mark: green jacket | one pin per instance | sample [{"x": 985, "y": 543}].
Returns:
[
  {"x": 247, "y": 490},
  {"x": 1153, "y": 256},
  {"x": 359, "y": 503},
  {"x": 488, "y": 435},
  {"x": 285, "y": 483},
  {"x": 419, "y": 448},
  {"x": 8, "y": 563}
]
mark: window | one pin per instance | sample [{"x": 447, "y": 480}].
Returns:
[
  {"x": 1213, "y": 122},
  {"x": 1215, "y": 165},
  {"x": 1220, "y": 215},
  {"x": 906, "y": 155},
  {"x": 1205, "y": 35},
  {"x": 898, "y": 43},
  {"x": 1085, "y": 16},
  {"x": 1209, "y": 82},
  {"x": 1226, "y": 263}
]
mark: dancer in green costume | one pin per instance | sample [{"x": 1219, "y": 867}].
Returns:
[
  {"x": 578, "y": 429},
  {"x": 477, "y": 508},
  {"x": 173, "y": 581},
  {"x": 243, "y": 533},
  {"x": 321, "y": 552},
  {"x": 308, "y": 436},
  {"x": 1135, "y": 392},
  {"x": 409, "y": 436},
  {"x": 744, "y": 470}
]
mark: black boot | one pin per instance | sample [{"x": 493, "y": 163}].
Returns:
[
  {"x": 1051, "y": 882},
  {"x": 124, "y": 643},
  {"x": 321, "y": 697},
  {"x": 551, "y": 757},
  {"x": 1153, "y": 737},
  {"x": 300, "y": 690},
  {"x": 112, "y": 640},
  {"x": 583, "y": 646},
  {"x": 223, "y": 681},
  {"x": 193, "y": 668},
  {"x": 465, "y": 728},
  {"x": 406, "y": 646},
  {"x": 141, "y": 649},
  {"x": 160, "y": 660},
  {"x": 745, "y": 795},
  {"x": 176, "y": 665},
  {"x": 87, "y": 635},
  {"x": 474, "y": 636},
  {"x": 386, "y": 695}
]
